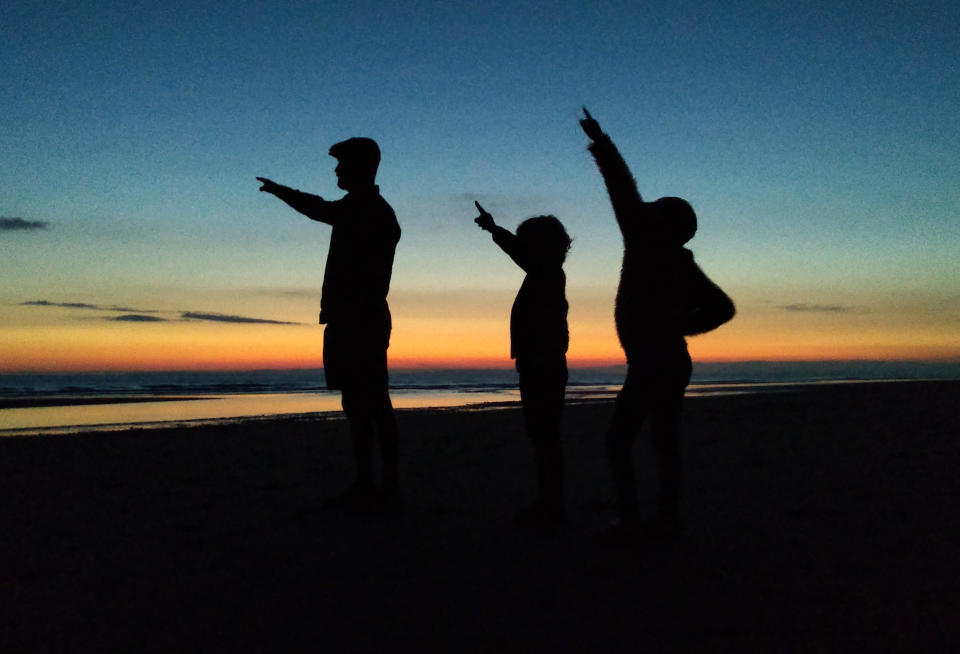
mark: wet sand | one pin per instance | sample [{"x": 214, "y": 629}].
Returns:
[
  {"x": 817, "y": 519},
  {"x": 35, "y": 402}
]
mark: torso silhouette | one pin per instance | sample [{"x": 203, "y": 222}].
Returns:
[
  {"x": 663, "y": 295},
  {"x": 538, "y": 319},
  {"x": 360, "y": 258}
]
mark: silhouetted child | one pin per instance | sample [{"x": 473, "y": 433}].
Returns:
[
  {"x": 662, "y": 297},
  {"x": 538, "y": 343}
]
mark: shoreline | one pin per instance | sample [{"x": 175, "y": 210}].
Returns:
[
  {"x": 822, "y": 519},
  {"x": 48, "y": 415}
]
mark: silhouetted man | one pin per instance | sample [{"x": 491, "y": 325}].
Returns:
[
  {"x": 354, "y": 308},
  {"x": 662, "y": 297}
]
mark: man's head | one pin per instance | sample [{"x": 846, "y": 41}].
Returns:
[
  {"x": 674, "y": 220},
  {"x": 357, "y": 162}
]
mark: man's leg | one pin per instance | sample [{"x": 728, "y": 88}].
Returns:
[
  {"x": 361, "y": 435},
  {"x": 549, "y": 453},
  {"x": 338, "y": 366},
  {"x": 386, "y": 426}
]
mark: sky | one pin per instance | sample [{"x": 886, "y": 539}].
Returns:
[{"x": 817, "y": 142}]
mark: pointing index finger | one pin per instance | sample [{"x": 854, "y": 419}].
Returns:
[
  {"x": 587, "y": 113},
  {"x": 481, "y": 209}
]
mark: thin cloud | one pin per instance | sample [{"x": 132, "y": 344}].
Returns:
[
  {"x": 67, "y": 305},
  {"x": 135, "y": 317},
  {"x": 9, "y": 224},
  {"x": 823, "y": 308},
  {"x": 219, "y": 317},
  {"x": 84, "y": 305},
  {"x": 129, "y": 314},
  {"x": 309, "y": 293}
]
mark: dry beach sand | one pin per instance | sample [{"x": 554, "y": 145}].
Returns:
[{"x": 816, "y": 520}]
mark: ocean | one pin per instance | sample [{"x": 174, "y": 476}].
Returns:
[{"x": 39, "y": 403}]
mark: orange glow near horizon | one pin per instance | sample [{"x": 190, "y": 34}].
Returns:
[
  {"x": 423, "y": 344},
  {"x": 453, "y": 332}
]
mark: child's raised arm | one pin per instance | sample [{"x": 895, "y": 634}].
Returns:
[
  {"x": 507, "y": 240},
  {"x": 628, "y": 205}
]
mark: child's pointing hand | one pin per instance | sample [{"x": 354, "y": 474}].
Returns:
[{"x": 484, "y": 220}]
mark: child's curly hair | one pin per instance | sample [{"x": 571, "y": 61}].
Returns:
[{"x": 545, "y": 237}]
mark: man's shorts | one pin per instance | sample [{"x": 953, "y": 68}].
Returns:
[{"x": 355, "y": 356}]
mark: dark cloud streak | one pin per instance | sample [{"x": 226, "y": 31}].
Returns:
[
  {"x": 138, "y": 315},
  {"x": 219, "y": 317},
  {"x": 823, "y": 308},
  {"x": 9, "y": 224},
  {"x": 133, "y": 317},
  {"x": 83, "y": 305}
]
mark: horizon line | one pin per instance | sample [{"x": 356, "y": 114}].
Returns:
[{"x": 585, "y": 364}]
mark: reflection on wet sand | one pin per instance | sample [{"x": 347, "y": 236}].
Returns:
[{"x": 151, "y": 411}]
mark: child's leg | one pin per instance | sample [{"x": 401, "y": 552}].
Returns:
[
  {"x": 665, "y": 433},
  {"x": 547, "y": 443},
  {"x": 628, "y": 415},
  {"x": 542, "y": 395}
]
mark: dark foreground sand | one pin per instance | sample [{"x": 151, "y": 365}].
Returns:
[{"x": 822, "y": 520}]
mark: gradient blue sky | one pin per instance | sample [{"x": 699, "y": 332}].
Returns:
[{"x": 817, "y": 141}]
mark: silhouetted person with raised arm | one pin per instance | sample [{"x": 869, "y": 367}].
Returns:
[
  {"x": 354, "y": 308},
  {"x": 538, "y": 343},
  {"x": 663, "y": 296}
]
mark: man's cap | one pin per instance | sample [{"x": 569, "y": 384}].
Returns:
[{"x": 358, "y": 150}]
